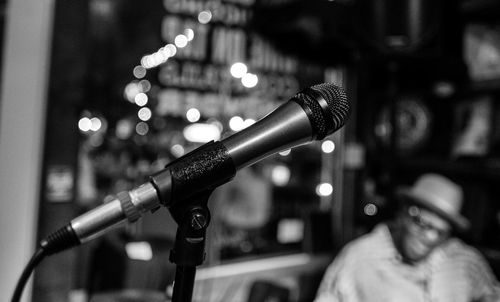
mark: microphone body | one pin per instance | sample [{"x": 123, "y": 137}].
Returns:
[
  {"x": 284, "y": 128},
  {"x": 311, "y": 114}
]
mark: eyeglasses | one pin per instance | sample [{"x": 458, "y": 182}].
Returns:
[{"x": 425, "y": 226}]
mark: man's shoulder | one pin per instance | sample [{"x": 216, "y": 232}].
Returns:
[
  {"x": 456, "y": 248},
  {"x": 371, "y": 243}
]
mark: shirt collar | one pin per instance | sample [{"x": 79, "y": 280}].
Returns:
[{"x": 390, "y": 252}]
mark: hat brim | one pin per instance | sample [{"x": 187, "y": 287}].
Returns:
[{"x": 459, "y": 222}]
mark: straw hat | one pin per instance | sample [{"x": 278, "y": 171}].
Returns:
[{"x": 439, "y": 195}]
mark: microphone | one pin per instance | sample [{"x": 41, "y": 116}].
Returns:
[{"x": 311, "y": 114}]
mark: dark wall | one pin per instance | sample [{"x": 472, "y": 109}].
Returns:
[{"x": 53, "y": 278}]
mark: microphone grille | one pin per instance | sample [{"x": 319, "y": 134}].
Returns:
[{"x": 327, "y": 107}]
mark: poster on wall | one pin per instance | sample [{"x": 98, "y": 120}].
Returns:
[{"x": 60, "y": 183}]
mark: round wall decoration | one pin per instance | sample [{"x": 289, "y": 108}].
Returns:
[{"x": 413, "y": 120}]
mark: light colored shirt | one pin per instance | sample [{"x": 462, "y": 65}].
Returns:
[{"x": 370, "y": 269}]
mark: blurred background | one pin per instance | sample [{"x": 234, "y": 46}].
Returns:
[{"x": 97, "y": 95}]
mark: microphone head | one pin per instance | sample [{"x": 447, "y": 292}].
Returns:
[{"x": 326, "y": 106}]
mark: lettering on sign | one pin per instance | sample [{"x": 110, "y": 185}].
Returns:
[
  {"x": 175, "y": 102},
  {"x": 234, "y": 13},
  {"x": 199, "y": 74},
  {"x": 229, "y": 45}
]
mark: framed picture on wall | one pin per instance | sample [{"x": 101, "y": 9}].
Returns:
[
  {"x": 482, "y": 51},
  {"x": 472, "y": 127}
]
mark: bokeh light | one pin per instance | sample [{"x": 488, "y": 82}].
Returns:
[
  {"x": 142, "y": 128},
  {"x": 84, "y": 124},
  {"x": 328, "y": 146},
  {"x": 95, "y": 124},
  {"x": 201, "y": 133},
  {"x": 248, "y": 122},
  {"x": 205, "y": 16},
  {"x": 177, "y": 150},
  {"x": 181, "y": 41},
  {"x": 236, "y": 123},
  {"x": 124, "y": 129},
  {"x": 249, "y": 80},
  {"x": 144, "y": 114},
  {"x": 370, "y": 209},
  {"x": 171, "y": 49},
  {"x": 193, "y": 115},
  {"x": 238, "y": 70},
  {"x": 141, "y": 99},
  {"x": 131, "y": 90},
  {"x": 144, "y": 85},
  {"x": 324, "y": 189},
  {"x": 189, "y": 33},
  {"x": 139, "y": 72},
  {"x": 280, "y": 175}
]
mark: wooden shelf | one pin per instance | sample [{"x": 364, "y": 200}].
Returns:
[
  {"x": 477, "y": 169},
  {"x": 487, "y": 86},
  {"x": 481, "y": 10}
]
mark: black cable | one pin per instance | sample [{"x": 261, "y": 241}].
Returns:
[
  {"x": 60, "y": 240},
  {"x": 21, "y": 283}
]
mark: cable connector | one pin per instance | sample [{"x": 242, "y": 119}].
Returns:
[{"x": 60, "y": 240}]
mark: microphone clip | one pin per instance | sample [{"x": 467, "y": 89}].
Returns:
[{"x": 192, "y": 217}]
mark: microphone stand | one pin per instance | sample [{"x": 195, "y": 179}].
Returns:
[
  {"x": 192, "y": 217},
  {"x": 191, "y": 213}
]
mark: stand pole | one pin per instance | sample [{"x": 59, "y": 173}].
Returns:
[{"x": 184, "y": 283}]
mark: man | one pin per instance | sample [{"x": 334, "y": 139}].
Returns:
[{"x": 414, "y": 257}]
